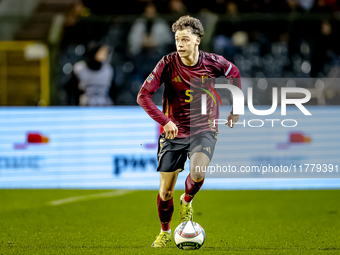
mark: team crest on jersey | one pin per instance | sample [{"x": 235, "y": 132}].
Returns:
[
  {"x": 150, "y": 77},
  {"x": 204, "y": 79}
]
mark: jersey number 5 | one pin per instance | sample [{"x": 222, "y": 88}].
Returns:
[{"x": 187, "y": 93}]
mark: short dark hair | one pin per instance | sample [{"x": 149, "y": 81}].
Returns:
[{"x": 187, "y": 22}]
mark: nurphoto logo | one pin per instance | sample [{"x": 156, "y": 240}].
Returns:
[{"x": 238, "y": 104}]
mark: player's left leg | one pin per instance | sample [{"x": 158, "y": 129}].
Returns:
[
  {"x": 202, "y": 148},
  {"x": 193, "y": 183},
  {"x": 195, "y": 179}
]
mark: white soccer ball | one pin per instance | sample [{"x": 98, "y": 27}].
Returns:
[{"x": 189, "y": 236}]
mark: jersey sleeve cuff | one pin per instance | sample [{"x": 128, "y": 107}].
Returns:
[
  {"x": 234, "y": 114},
  {"x": 165, "y": 122}
]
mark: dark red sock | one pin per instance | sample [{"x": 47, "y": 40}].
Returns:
[
  {"x": 191, "y": 188},
  {"x": 165, "y": 210}
]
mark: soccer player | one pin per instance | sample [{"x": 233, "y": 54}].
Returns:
[{"x": 186, "y": 130}]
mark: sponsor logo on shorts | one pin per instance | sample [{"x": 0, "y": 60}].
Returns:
[{"x": 207, "y": 149}]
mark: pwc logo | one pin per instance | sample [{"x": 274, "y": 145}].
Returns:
[{"x": 32, "y": 138}]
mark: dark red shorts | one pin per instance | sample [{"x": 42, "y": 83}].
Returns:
[{"x": 172, "y": 154}]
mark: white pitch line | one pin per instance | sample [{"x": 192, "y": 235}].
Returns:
[{"x": 87, "y": 197}]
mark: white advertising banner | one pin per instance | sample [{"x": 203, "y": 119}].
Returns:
[{"x": 116, "y": 147}]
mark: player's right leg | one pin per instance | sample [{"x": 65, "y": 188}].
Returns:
[
  {"x": 171, "y": 160},
  {"x": 165, "y": 207}
]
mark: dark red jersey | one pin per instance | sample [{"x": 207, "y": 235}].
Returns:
[{"x": 183, "y": 87}]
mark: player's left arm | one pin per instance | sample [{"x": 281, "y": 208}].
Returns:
[
  {"x": 232, "y": 119},
  {"x": 230, "y": 71}
]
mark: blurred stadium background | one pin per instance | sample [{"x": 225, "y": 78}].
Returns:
[
  {"x": 53, "y": 152},
  {"x": 263, "y": 38}
]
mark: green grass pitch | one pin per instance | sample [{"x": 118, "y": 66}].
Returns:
[{"x": 235, "y": 222}]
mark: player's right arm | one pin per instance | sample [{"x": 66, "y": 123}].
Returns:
[{"x": 144, "y": 99}]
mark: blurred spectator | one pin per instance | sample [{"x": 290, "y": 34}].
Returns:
[
  {"x": 240, "y": 38},
  {"x": 209, "y": 21},
  {"x": 267, "y": 45},
  {"x": 78, "y": 10},
  {"x": 177, "y": 8},
  {"x": 294, "y": 6},
  {"x": 231, "y": 8},
  {"x": 306, "y": 4},
  {"x": 72, "y": 33},
  {"x": 149, "y": 33},
  {"x": 149, "y": 39},
  {"x": 92, "y": 78},
  {"x": 325, "y": 48},
  {"x": 225, "y": 29},
  {"x": 325, "y": 6}
]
